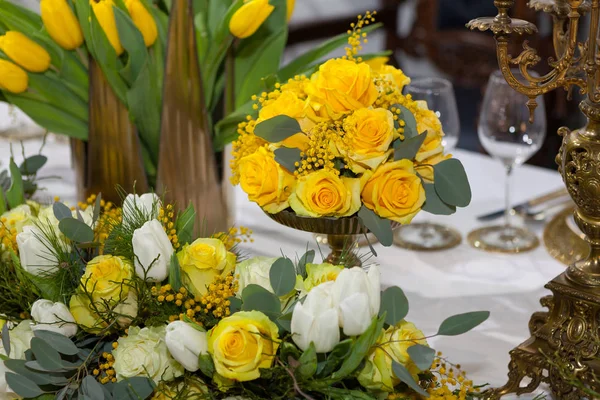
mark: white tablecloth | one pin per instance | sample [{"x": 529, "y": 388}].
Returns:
[{"x": 437, "y": 284}]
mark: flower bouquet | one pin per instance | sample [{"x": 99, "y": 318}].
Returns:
[
  {"x": 343, "y": 143},
  {"x": 125, "y": 303}
]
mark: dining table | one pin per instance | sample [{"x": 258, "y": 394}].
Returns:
[{"x": 438, "y": 284}]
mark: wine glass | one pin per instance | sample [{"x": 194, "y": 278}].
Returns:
[
  {"x": 507, "y": 135},
  {"x": 439, "y": 95}
]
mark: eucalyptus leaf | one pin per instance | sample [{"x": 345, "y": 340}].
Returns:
[
  {"x": 282, "y": 276},
  {"x": 285, "y": 321},
  {"x": 422, "y": 356},
  {"x": 45, "y": 355},
  {"x": 451, "y": 183},
  {"x": 235, "y": 304},
  {"x": 133, "y": 388},
  {"x": 381, "y": 228},
  {"x": 277, "y": 129},
  {"x": 40, "y": 378},
  {"x": 175, "y": 273},
  {"x": 308, "y": 362},
  {"x": 206, "y": 364},
  {"x": 91, "y": 388},
  {"x": 461, "y": 323},
  {"x": 22, "y": 386},
  {"x": 76, "y": 230},
  {"x": 185, "y": 225},
  {"x": 408, "y": 148},
  {"x": 287, "y": 158},
  {"x": 394, "y": 304},
  {"x": 6, "y": 339},
  {"x": 33, "y": 164},
  {"x": 257, "y": 298},
  {"x": 307, "y": 258},
  {"x": 402, "y": 373},
  {"x": 433, "y": 203},
  {"x": 410, "y": 127},
  {"x": 15, "y": 194}
]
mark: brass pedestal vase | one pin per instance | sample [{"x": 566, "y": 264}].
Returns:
[
  {"x": 564, "y": 347},
  {"x": 342, "y": 234}
]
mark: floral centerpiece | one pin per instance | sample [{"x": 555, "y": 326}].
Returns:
[
  {"x": 125, "y": 303},
  {"x": 345, "y": 141}
]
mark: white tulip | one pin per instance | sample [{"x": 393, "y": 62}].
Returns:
[
  {"x": 153, "y": 251},
  {"x": 356, "y": 294},
  {"x": 147, "y": 205},
  {"x": 186, "y": 344},
  {"x": 34, "y": 252},
  {"x": 316, "y": 320},
  {"x": 254, "y": 271},
  {"x": 54, "y": 317}
]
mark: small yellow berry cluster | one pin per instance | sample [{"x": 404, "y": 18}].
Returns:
[
  {"x": 356, "y": 35},
  {"x": 402, "y": 396},
  {"x": 109, "y": 216},
  {"x": 449, "y": 381},
  {"x": 188, "y": 304},
  {"x": 105, "y": 372},
  {"x": 235, "y": 236},
  {"x": 320, "y": 153},
  {"x": 216, "y": 300},
  {"x": 8, "y": 235},
  {"x": 166, "y": 216}
]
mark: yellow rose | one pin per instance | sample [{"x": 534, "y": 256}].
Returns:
[
  {"x": 371, "y": 132},
  {"x": 104, "y": 278},
  {"x": 377, "y": 63},
  {"x": 427, "y": 120},
  {"x": 394, "y": 191},
  {"x": 265, "y": 181},
  {"x": 242, "y": 344},
  {"x": 85, "y": 315},
  {"x": 394, "y": 75},
  {"x": 324, "y": 194},
  {"x": 204, "y": 260},
  {"x": 393, "y": 344},
  {"x": 341, "y": 86},
  {"x": 288, "y": 103},
  {"x": 320, "y": 273},
  {"x": 431, "y": 147},
  {"x": 425, "y": 167}
]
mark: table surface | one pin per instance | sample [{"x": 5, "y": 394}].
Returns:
[{"x": 437, "y": 284}]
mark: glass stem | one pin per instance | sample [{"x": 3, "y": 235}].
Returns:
[{"x": 508, "y": 207}]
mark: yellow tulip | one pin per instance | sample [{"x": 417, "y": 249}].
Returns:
[
  {"x": 103, "y": 10},
  {"x": 290, "y": 9},
  {"x": 24, "y": 51},
  {"x": 61, "y": 23},
  {"x": 12, "y": 77},
  {"x": 143, "y": 20},
  {"x": 249, "y": 17}
]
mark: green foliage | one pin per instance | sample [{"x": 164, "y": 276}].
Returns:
[
  {"x": 31, "y": 165},
  {"x": 206, "y": 364},
  {"x": 402, "y": 373},
  {"x": 282, "y": 276},
  {"x": 58, "y": 342},
  {"x": 394, "y": 305},
  {"x": 307, "y": 258},
  {"x": 61, "y": 211},
  {"x": 15, "y": 195},
  {"x": 185, "y": 225},
  {"x": 380, "y": 227},
  {"x": 410, "y": 129},
  {"x": 15, "y": 298},
  {"x": 451, "y": 183},
  {"x": 23, "y": 386},
  {"x": 421, "y": 355},
  {"x": 287, "y": 158},
  {"x": 277, "y": 129},
  {"x": 257, "y": 298},
  {"x": 175, "y": 273},
  {"x": 462, "y": 323},
  {"x": 133, "y": 388},
  {"x": 5, "y": 339},
  {"x": 434, "y": 204},
  {"x": 408, "y": 148},
  {"x": 76, "y": 230}
]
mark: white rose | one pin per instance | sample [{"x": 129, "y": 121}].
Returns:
[
  {"x": 143, "y": 352},
  {"x": 34, "y": 252},
  {"x": 186, "y": 344},
  {"x": 316, "y": 320},
  {"x": 145, "y": 206},
  {"x": 54, "y": 317},
  {"x": 17, "y": 218},
  {"x": 153, "y": 251},
  {"x": 357, "y": 296},
  {"x": 254, "y": 271}
]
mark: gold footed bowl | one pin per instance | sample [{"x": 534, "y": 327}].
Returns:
[{"x": 342, "y": 234}]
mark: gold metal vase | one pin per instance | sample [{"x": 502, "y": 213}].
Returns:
[
  {"x": 112, "y": 154},
  {"x": 187, "y": 169}
]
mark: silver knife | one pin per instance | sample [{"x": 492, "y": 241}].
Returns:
[{"x": 523, "y": 207}]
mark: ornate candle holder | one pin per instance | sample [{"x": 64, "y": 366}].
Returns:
[{"x": 569, "y": 331}]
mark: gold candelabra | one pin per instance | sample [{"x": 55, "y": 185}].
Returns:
[{"x": 570, "y": 330}]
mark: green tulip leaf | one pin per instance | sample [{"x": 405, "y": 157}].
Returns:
[
  {"x": 277, "y": 129},
  {"x": 380, "y": 227},
  {"x": 76, "y": 230},
  {"x": 22, "y": 386},
  {"x": 133, "y": 42},
  {"x": 15, "y": 194},
  {"x": 402, "y": 373},
  {"x": 462, "y": 323},
  {"x": 206, "y": 364},
  {"x": 433, "y": 203},
  {"x": 282, "y": 276},
  {"x": 3, "y": 206},
  {"x": 335, "y": 358},
  {"x": 422, "y": 356},
  {"x": 308, "y": 362},
  {"x": 287, "y": 158},
  {"x": 408, "y": 148},
  {"x": 394, "y": 305},
  {"x": 451, "y": 183},
  {"x": 185, "y": 225},
  {"x": 175, "y": 273}
]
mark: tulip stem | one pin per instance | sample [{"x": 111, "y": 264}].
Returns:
[
  {"x": 230, "y": 81},
  {"x": 83, "y": 57}
]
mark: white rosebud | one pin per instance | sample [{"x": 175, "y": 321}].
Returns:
[
  {"x": 316, "y": 320},
  {"x": 34, "y": 252},
  {"x": 254, "y": 271},
  {"x": 186, "y": 344},
  {"x": 356, "y": 294},
  {"x": 146, "y": 205},
  {"x": 153, "y": 252},
  {"x": 54, "y": 317}
]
